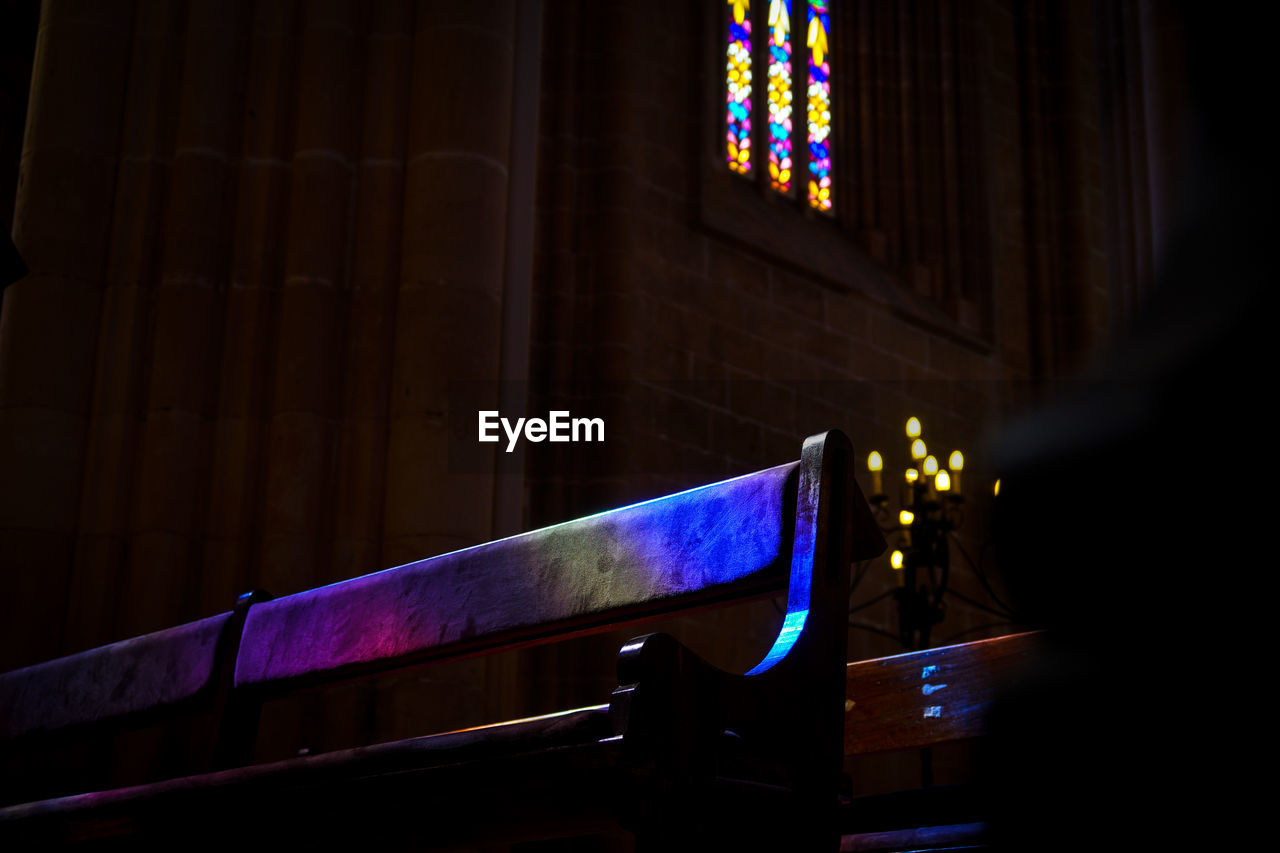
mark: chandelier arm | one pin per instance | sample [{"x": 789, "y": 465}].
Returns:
[
  {"x": 982, "y": 576},
  {"x": 864, "y": 605},
  {"x": 859, "y": 572},
  {"x": 940, "y": 589},
  {"x": 982, "y": 627},
  {"x": 986, "y": 608},
  {"x": 874, "y": 630}
]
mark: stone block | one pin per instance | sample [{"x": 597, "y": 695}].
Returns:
[
  {"x": 287, "y": 563},
  {"x": 425, "y": 498},
  {"x": 308, "y": 348},
  {"x": 95, "y": 590},
  {"x": 376, "y": 230},
  {"x": 455, "y": 215},
  {"x": 37, "y": 569},
  {"x": 81, "y": 58},
  {"x": 62, "y": 215},
  {"x": 319, "y": 204},
  {"x": 330, "y": 66},
  {"x": 187, "y": 320},
  {"x": 136, "y": 221},
  {"x": 247, "y": 344},
  {"x": 442, "y": 333},
  {"x": 298, "y": 456},
  {"x": 212, "y": 71},
  {"x": 197, "y": 232},
  {"x": 108, "y": 475},
  {"x": 907, "y": 342},
  {"x": 360, "y": 486},
  {"x": 42, "y": 457},
  {"x": 48, "y": 343},
  {"x": 172, "y": 471},
  {"x": 236, "y": 460},
  {"x": 163, "y": 566},
  {"x": 366, "y": 367}
]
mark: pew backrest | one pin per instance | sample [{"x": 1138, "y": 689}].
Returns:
[
  {"x": 716, "y": 543},
  {"x": 931, "y": 697},
  {"x": 166, "y": 670}
]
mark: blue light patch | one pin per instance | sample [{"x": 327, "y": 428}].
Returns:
[{"x": 787, "y": 636}]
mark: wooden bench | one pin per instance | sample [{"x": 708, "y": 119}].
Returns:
[
  {"x": 920, "y": 700},
  {"x": 681, "y": 753}
]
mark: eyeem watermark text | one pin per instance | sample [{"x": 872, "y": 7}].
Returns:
[{"x": 558, "y": 427}]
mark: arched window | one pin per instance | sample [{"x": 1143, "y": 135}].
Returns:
[
  {"x": 856, "y": 141},
  {"x": 783, "y": 137}
]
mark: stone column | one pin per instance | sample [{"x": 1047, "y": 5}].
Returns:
[
  {"x": 448, "y": 312},
  {"x": 49, "y": 331}
]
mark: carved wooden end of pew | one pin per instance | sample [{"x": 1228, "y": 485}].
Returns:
[{"x": 683, "y": 752}]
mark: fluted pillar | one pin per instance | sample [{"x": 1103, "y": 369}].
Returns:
[
  {"x": 449, "y": 300},
  {"x": 49, "y": 330}
]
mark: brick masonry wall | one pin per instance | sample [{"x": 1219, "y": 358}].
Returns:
[{"x": 730, "y": 356}]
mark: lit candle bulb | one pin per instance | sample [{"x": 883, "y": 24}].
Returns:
[
  {"x": 905, "y": 517},
  {"x": 875, "y": 464},
  {"x": 913, "y": 427},
  {"x": 995, "y": 490},
  {"x": 956, "y": 464},
  {"x": 943, "y": 481},
  {"x": 928, "y": 472},
  {"x": 896, "y": 559},
  {"x": 912, "y": 476},
  {"x": 918, "y": 450},
  {"x": 929, "y": 466}
]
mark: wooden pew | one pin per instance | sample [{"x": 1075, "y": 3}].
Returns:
[
  {"x": 681, "y": 754},
  {"x": 921, "y": 700}
]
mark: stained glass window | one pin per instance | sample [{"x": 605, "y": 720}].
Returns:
[
  {"x": 780, "y": 95},
  {"x": 738, "y": 77},
  {"x": 819, "y": 97},
  {"x": 784, "y": 138}
]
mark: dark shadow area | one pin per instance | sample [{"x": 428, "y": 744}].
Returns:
[{"x": 1123, "y": 520}]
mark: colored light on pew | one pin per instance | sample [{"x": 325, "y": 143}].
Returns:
[
  {"x": 942, "y": 482},
  {"x": 913, "y": 427},
  {"x": 550, "y": 716},
  {"x": 896, "y": 559},
  {"x": 918, "y": 450},
  {"x": 995, "y": 489},
  {"x": 792, "y": 626},
  {"x": 803, "y": 555},
  {"x": 930, "y": 466},
  {"x": 906, "y": 517}
]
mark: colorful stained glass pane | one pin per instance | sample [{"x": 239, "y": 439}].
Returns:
[
  {"x": 780, "y": 95},
  {"x": 819, "y": 97},
  {"x": 738, "y": 88}
]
